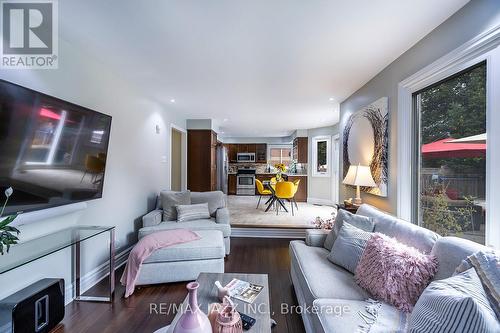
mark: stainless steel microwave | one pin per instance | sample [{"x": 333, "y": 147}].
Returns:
[{"x": 246, "y": 158}]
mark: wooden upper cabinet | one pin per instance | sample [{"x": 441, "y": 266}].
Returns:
[
  {"x": 233, "y": 153},
  {"x": 261, "y": 153},
  {"x": 251, "y": 147},
  {"x": 259, "y": 149},
  {"x": 242, "y": 148},
  {"x": 300, "y": 150}
]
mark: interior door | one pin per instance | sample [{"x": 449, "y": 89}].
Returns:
[{"x": 176, "y": 161}]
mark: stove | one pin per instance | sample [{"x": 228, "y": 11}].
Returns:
[{"x": 245, "y": 181}]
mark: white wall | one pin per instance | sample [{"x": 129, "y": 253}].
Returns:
[
  {"x": 135, "y": 169},
  {"x": 202, "y": 124},
  {"x": 474, "y": 18},
  {"x": 319, "y": 189}
]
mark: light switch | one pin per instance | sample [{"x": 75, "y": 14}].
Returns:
[{"x": 164, "y": 159}]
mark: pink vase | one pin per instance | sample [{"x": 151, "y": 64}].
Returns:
[{"x": 193, "y": 320}]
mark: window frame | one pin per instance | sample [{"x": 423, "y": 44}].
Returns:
[
  {"x": 417, "y": 140},
  {"x": 315, "y": 140},
  {"x": 484, "y": 47},
  {"x": 281, "y": 147}
]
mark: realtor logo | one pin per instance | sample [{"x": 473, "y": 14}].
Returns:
[{"x": 29, "y": 34}]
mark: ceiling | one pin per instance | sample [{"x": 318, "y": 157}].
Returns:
[{"x": 257, "y": 67}]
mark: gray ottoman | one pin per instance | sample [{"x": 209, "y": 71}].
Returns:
[{"x": 184, "y": 262}]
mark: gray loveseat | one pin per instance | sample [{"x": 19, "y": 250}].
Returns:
[
  {"x": 319, "y": 282},
  {"x": 153, "y": 221}
]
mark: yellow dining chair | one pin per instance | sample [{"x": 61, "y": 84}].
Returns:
[
  {"x": 262, "y": 191},
  {"x": 273, "y": 182},
  {"x": 284, "y": 191}
]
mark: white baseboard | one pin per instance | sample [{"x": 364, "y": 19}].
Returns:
[
  {"x": 317, "y": 201},
  {"x": 96, "y": 275},
  {"x": 269, "y": 232}
]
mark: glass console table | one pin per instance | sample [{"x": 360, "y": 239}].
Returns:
[{"x": 26, "y": 252}]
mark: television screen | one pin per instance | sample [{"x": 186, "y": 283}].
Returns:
[{"x": 52, "y": 152}]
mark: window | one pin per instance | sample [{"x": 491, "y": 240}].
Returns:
[
  {"x": 280, "y": 154},
  {"x": 321, "y": 156},
  {"x": 451, "y": 150}
]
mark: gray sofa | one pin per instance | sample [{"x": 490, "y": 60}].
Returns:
[
  {"x": 153, "y": 221},
  {"x": 318, "y": 282}
]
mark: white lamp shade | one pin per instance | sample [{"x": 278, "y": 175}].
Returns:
[{"x": 359, "y": 175}]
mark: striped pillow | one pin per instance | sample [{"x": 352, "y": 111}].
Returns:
[
  {"x": 192, "y": 212},
  {"x": 456, "y": 304},
  {"x": 487, "y": 266},
  {"x": 349, "y": 246}
]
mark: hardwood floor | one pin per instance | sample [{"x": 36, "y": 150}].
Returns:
[{"x": 248, "y": 255}]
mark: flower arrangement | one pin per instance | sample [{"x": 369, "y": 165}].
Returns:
[
  {"x": 327, "y": 224},
  {"x": 280, "y": 168},
  {"x": 8, "y": 234}
]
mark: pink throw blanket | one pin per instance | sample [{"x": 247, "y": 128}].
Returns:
[{"x": 147, "y": 245}]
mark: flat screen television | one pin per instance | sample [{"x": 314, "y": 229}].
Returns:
[{"x": 52, "y": 152}]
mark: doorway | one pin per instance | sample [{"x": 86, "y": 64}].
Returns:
[{"x": 176, "y": 159}]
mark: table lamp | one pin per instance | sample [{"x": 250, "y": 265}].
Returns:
[{"x": 359, "y": 175}]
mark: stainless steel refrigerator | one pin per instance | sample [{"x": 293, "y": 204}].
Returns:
[{"x": 222, "y": 168}]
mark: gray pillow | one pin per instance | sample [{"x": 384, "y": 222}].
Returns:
[
  {"x": 192, "y": 212},
  {"x": 170, "y": 199},
  {"x": 215, "y": 200},
  {"x": 456, "y": 304},
  {"x": 349, "y": 247},
  {"x": 361, "y": 222}
]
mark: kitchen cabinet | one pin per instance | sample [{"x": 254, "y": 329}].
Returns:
[
  {"x": 231, "y": 184},
  {"x": 261, "y": 153},
  {"x": 201, "y": 160},
  {"x": 301, "y": 195},
  {"x": 300, "y": 149},
  {"x": 232, "y": 151},
  {"x": 259, "y": 149},
  {"x": 251, "y": 148},
  {"x": 242, "y": 148}
]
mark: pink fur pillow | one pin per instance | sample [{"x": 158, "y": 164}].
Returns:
[{"x": 394, "y": 272}]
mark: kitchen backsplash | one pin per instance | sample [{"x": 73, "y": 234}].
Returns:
[{"x": 263, "y": 168}]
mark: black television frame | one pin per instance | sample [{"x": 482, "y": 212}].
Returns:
[{"x": 2, "y": 81}]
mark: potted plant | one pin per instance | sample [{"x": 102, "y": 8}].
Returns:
[{"x": 8, "y": 234}]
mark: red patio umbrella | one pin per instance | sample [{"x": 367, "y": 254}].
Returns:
[{"x": 445, "y": 148}]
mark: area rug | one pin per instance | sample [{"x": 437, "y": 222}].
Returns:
[{"x": 243, "y": 213}]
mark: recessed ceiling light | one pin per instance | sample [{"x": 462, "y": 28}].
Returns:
[
  {"x": 172, "y": 100},
  {"x": 225, "y": 119},
  {"x": 332, "y": 99}
]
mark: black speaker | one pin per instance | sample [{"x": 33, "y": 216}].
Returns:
[{"x": 35, "y": 309}]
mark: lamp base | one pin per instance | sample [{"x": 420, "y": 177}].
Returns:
[{"x": 357, "y": 200}]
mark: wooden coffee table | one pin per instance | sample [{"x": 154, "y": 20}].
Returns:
[{"x": 207, "y": 294}]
